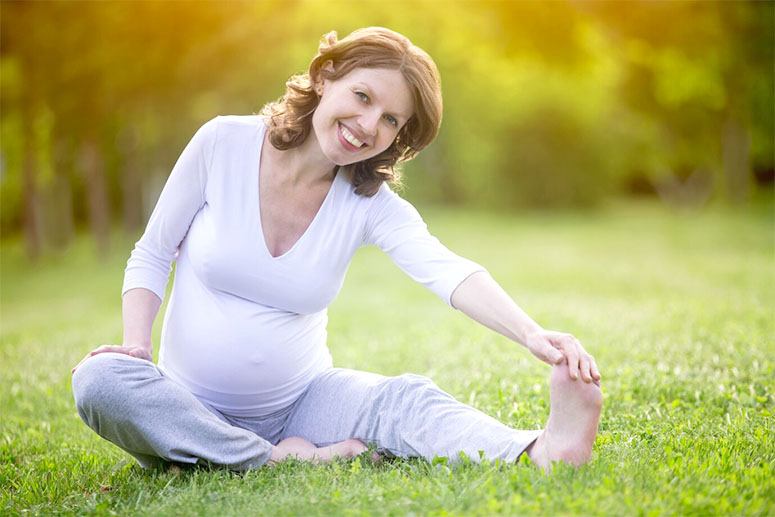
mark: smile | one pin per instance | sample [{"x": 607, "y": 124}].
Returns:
[{"x": 348, "y": 139}]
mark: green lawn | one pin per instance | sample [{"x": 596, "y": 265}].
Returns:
[{"x": 677, "y": 309}]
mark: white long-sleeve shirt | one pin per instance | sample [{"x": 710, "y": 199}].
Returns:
[{"x": 244, "y": 331}]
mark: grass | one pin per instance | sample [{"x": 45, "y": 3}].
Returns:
[{"x": 677, "y": 309}]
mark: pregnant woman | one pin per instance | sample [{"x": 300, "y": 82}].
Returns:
[{"x": 262, "y": 215}]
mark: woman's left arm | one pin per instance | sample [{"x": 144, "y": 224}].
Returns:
[{"x": 481, "y": 298}]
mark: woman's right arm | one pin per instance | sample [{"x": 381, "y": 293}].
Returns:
[
  {"x": 139, "y": 309},
  {"x": 150, "y": 263}
]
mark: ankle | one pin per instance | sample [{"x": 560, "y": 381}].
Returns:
[{"x": 538, "y": 452}]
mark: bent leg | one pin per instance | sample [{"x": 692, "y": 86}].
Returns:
[
  {"x": 130, "y": 403},
  {"x": 407, "y": 415}
]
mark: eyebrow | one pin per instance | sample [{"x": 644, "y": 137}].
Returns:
[{"x": 374, "y": 96}]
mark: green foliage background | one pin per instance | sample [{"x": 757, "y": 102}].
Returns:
[
  {"x": 547, "y": 104},
  {"x": 571, "y": 108}
]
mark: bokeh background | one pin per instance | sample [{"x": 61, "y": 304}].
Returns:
[
  {"x": 610, "y": 163},
  {"x": 548, "y": 105}
]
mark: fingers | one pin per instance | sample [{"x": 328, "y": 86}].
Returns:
[
  {"x": 108, "y": 348},
  {"x": 572, "y": 353},
  {"x": 569, "y": 347},
  {"x": 584, "y": 363},
  {"x": 587, "y": 366},
  {"x": 551, "y": 355},
  {"x": 594, "y": 369},
  {"x": 80, "y": 363},
  {"x": 132, "y": 351},
  {"x": 580, "y": 363},
  {"x": 584, "y": 366},
  {"x": 140, "y": 354},
  {"x": 99, "y": 350}
]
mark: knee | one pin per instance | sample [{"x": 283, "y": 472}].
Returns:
[
  {"x": 411, "y": 381},
  {"x": 409, "y": 388},
  {"x": 588, "y": 393},
  {"x": 96, "y": 383}
]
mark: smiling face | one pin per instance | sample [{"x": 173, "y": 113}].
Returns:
[{"x": 361, "y": 113}]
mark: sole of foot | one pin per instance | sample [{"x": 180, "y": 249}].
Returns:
[{"x": 573, "y": 419}]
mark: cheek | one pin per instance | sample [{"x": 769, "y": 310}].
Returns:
[
  {"x": 390, "y": 138},
  {"x": 320, "y": 114},
  {"x": 321, "y": 123},
  {"x": 380, "y": 148}
]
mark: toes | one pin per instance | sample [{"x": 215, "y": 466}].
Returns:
[
  {"x": 348, "y": 448},
  {"x": 355, "y": 447}
]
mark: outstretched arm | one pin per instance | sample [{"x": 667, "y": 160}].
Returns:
[{"x": 481, "y": 298}]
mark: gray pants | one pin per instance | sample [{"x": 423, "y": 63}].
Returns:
[{"x": 129, "y": 402}]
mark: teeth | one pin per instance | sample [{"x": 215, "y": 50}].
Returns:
[{"x": 350, "y": 138}]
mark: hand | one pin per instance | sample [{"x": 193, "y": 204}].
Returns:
[
  {"x": 557, "y": 347},
  {"x": 131, "y": 350}
]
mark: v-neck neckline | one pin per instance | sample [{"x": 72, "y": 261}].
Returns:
[{"x": 257, "y": 200}]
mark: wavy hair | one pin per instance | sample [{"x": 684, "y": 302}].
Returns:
[{"x": 290, "y": 117}]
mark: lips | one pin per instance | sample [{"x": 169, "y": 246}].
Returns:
[{"x": 348, "y": 140}]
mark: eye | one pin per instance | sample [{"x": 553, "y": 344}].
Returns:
[
  {"x": 392, "y": 120},
  {"x": 363, "y": 96}
]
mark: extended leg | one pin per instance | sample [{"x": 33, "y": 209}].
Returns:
[
  {"x": 407, "y": 415},
  {"x": 130, "y": 403},
  {"x": 573, "y": 419}
]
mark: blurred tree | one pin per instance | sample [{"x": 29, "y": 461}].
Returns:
[
  {"x": 695, "y": 70},
  {"x": 78, "y": 82},
  {"x": 546, "y": 104}
]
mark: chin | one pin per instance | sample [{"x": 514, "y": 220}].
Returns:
[
  {"x": 352, "y": 162},
  {"x": 343, "y": 161}
]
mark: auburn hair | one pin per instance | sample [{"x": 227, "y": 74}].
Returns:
[{"x": 290, "y": 117}]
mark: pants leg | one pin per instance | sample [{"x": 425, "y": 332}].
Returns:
[
  {"x": 407, "y": 415},
  {"x": 130, "y": 403}
]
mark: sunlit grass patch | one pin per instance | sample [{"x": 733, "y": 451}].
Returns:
[{"x": 677, "y": 309}]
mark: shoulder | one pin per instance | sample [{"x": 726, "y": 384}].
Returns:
[
  {"x": 358, "y": 207},
  {"x": 368, "y": 204},
  {"x": 229, "y": 132},
  {"x": 387, "y": 205},
  {"x": 387, "y": 198},
  {"x": 239, "y": 121},
  {"x": 235, "y": 124}
]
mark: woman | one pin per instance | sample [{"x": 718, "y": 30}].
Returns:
[{"x": 263, "y": 214}]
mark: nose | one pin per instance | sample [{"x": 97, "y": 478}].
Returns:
[{"x": 368, "y": 122}]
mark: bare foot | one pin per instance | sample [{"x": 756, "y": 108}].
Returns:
[
  {"x": 302, "y": 449},
  {"x": 346, "y": 449},
  {"x": 573, "y": 418},
  {"x": 293, "y": 447}
]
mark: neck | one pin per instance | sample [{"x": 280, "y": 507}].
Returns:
[{"x": 304, "y": 165}]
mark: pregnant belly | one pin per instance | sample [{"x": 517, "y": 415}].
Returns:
[{"x": 247, "y": 363}]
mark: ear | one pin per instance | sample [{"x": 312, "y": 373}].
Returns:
[{"x": 328, "y": 66}]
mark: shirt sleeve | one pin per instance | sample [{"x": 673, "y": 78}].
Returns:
[
  {"x": 150, "y": 262},
  {"x": 395, "y": 226}
]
